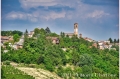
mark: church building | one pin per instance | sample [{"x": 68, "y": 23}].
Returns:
[{"x": 75, "y": 31}]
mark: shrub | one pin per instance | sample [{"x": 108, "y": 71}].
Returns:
[
  {"x": 32, "y": 65},
  {"x": 6, "y": 63}
]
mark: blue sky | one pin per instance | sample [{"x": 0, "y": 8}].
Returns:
[{"x": 97, "y": 19}]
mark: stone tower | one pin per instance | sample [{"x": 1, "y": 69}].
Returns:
[{"x": 76, "y": 29}]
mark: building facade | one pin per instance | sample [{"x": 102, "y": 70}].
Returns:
[{"x": 76, "y": 29}]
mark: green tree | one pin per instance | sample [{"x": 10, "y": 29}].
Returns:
[
  {"x": 111, "y": 41},
  {"x": 40, "y": 59},
  {"x": 26, "y": 31},
  {"x": 62, "y": 34},
  {"x": 6, "y": 43},
  {"x": 16, "y": 37},
  {"x": 61, "y": 43},
  {"x": 60, "y": 71},
  {"x": 83, "y": 48},
  {"x": 67, "y": 36},
  {"x": 115, "y": 41},
  {"x": 10, "y": 33},
  {"x": 17, "y": 32},
  {"x": 85, "y": 59},
  {"x": 93, "y": 50},
  {"x": 49, "y": 64},
  {"x": 54, "y": 35},
  {"x": 47, "y": 30},
  {"x": 75, "y": 58},
  {"x": 36, "y": 31},
  {"x": 78, "y": 70},
  {"x": 2, "y": 73},
  {"x": 86, "y": 70}
]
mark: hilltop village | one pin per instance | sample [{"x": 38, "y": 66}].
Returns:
[
  {"x": 42, "y": 54},
  {"x": 105, "y": 44}
]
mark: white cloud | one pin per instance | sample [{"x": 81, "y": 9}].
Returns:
[
  {"x": 54, "y": 15},
  {"x": 20, "y": 15},
  {"x": 81, "y": 11},
  {"x": 97, "y": 14},
  {"x": 16, "y": 15},
  {"x": 27, "y": 4},
  {"x": 35, "y": 16}
]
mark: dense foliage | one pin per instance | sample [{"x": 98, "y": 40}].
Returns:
[
  {"x": 113, "y": 41},
  {"x": 9, "y": 72},
  {"x": 78, "y": 58},
  {"x": 11, "y": 33},
  {"x": 16, "y": 37}
]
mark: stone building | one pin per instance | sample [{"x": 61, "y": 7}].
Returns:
[
  {"x": 31, "y": 34},
  {"x": 55, "y": 40},
  {"x": 75, "y": 31}
]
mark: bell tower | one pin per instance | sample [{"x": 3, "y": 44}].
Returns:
[{"x": 76, "y": 29}]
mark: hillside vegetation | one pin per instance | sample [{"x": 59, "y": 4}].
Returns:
[
  {"x": 78, "y": 61},
  {"x": 10, "y": 72}
]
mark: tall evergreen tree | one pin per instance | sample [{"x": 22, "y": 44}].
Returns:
[
  {"x": 62, "y": 34},
  {"x": 115, "y": 41},
  {"x": 47, "y": 30},
  {"x": 110, "y": 39},
  {"x": 26, "y": 31}
]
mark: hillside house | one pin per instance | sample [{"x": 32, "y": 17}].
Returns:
[
  {"x": 31, "y": 34},
  {"x": 69, "y": 34},
  {"x": 88, "y": 39},
  {"x": 55, "y": 40},
  {"x": 6, "y": 39},
  {"x": 95, "y": 45},
  {"x": 104, "y": 44},
  {"x": 107, "y": 42},
  {"x": 19, "y": 44},
  {"x": 15, "y": 46}
]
